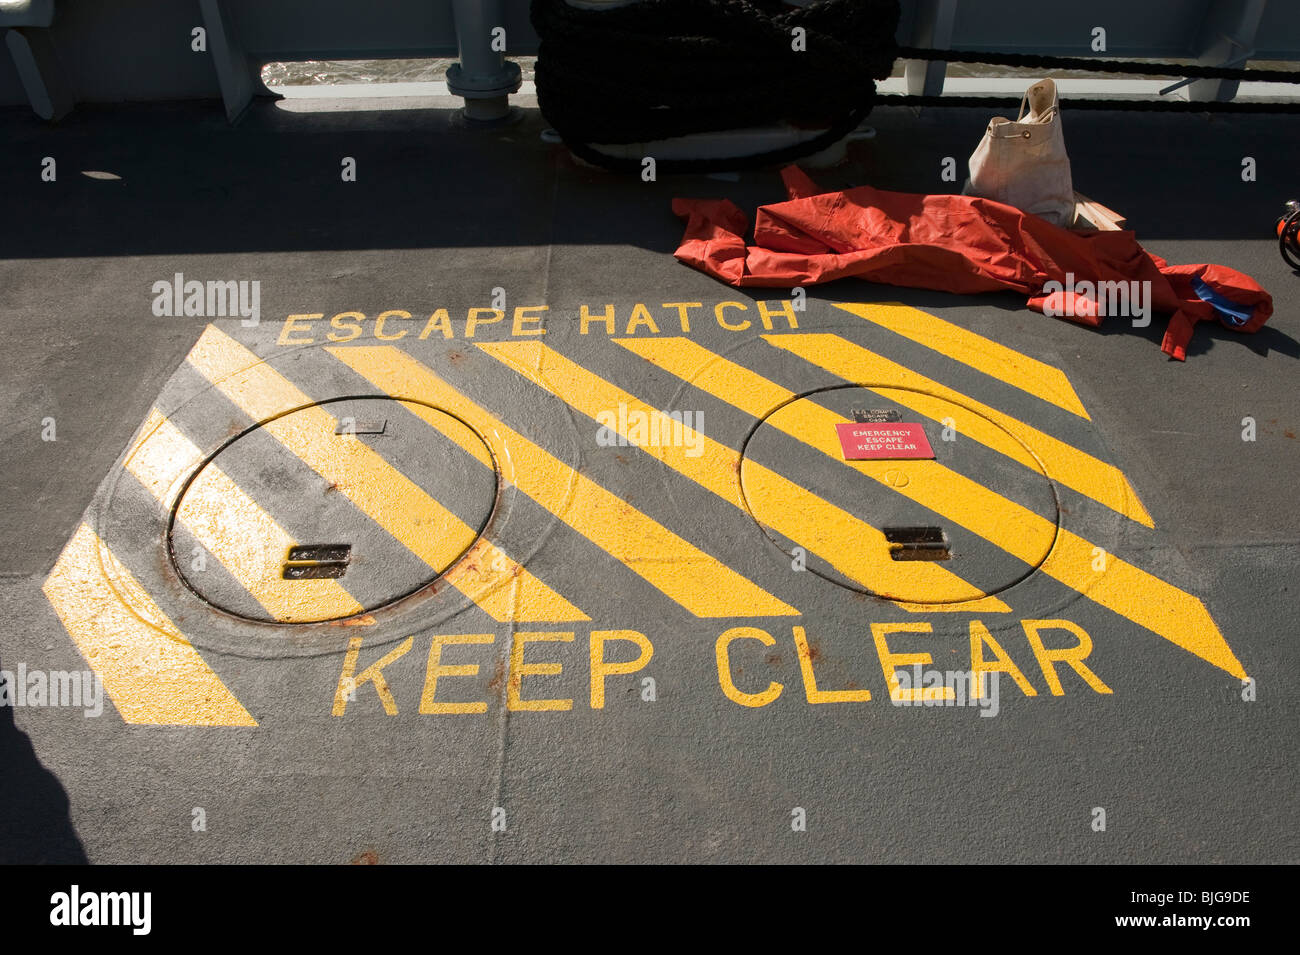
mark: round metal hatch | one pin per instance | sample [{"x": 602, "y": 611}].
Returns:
[
  {"x": 979, "y": 517},
  {"x": 332, "y": 510}
]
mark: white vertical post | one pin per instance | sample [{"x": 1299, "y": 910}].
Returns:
[{"x": 484, "y": 77}]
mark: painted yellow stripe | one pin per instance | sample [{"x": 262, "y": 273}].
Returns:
[
  {"x": 1145, "y": 599},
  {"x": 724, "y": 379},
  {"x": 791, "y": 510},
  {"x": 502, "y": 588},
  {"x": 162, "y": 458},
  {"x": 704, "y": 586},
  {"x": 231, "y": 525},
  {"x": 1065, "y": 464},
  {"x": 150, "y": 671},
  {"x": 983, "y": 354},
  {"x": 1127, "y": 590}
]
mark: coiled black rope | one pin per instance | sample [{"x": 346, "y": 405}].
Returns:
[{"x": 662, "y": 69}]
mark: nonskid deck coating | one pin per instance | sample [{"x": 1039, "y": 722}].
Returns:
[{"x": 755, "y": 708}]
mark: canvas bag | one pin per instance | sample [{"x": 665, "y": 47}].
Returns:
[{"x": 1023, "y": 163}]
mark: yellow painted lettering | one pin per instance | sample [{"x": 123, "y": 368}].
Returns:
[
  {"x": 439, "y": 669},
  {"x": 722, "y": 650},
  {"x": 522, "y": 318},
  {"x": 717, "y": 311},
  {"x": 353, "y": 326},
  {"x": 350, "y": 680},
  {"x": 519, "y": 670},
  {"x": 473, "y": 321},
  {"x": 786, "y": 310},
  {"x": 291, "y": 325},
  {"x": 585, "y": 318},
  {"x": 890, "y": 661},
  {"x": 1074, "y": 656},
  {"x": 810, "y": 679},
  {"x": 601, "y": 668},
  {"x": 682, "y": 315},
  {"x": 1001, "y": 662},
  {"x": 379, "y": 324},
  {"x": 439, "y": 320},
  {"x": 641, "y": 316}
]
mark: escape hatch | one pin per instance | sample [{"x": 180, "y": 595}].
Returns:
[
  {"x": 893, "y": 527},
  {"x": 332, "y": 510}
]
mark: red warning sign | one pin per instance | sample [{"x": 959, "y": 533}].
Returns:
[{"x": 864, "y": 442}]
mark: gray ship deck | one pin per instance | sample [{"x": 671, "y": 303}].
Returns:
[{"x": 591, "y": 539}]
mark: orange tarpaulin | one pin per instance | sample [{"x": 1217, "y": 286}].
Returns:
[{"x": 958, "y": 244}]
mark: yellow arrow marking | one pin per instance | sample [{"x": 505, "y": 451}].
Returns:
[
  {"x": 1127, "y": 590},
  {"x": 998, "y": 361},
  {"x": 1065, "y": 464},
  {"x": 703, "y": 585},
  {"x": 150, "y": 671},
  {"x": 852, "y": 546},
  {"x": 231, "y": 525},
  {"x": 384, "y": 494}
]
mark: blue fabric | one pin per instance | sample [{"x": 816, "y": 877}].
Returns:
[{"x": 1234, "y": 314}]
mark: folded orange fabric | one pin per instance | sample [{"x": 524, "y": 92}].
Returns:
[{"x": 959, "y": 244}]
